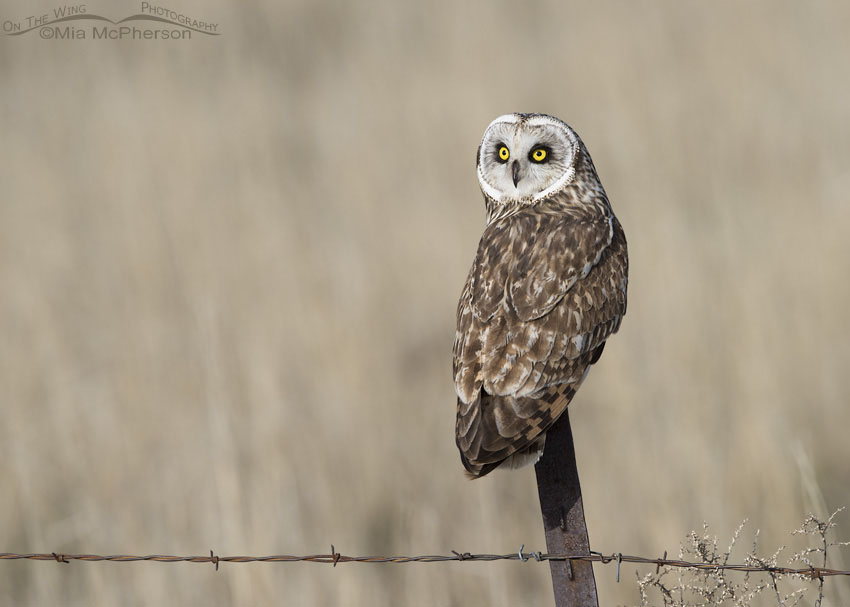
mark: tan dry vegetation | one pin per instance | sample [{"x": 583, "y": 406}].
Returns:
[{"x": 229, "y": 268}]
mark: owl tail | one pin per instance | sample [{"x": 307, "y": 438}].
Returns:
[
  {"x": 526, "y": 457},
  {"x": 473, "y": 471},
  {"x": 492, "y": 431}
]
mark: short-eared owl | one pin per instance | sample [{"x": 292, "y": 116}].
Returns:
[{"x": 546, "y": 289}]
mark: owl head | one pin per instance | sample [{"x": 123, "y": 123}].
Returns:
[{"x": 523, "y": 158}]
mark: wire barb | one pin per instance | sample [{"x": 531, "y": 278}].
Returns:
[
  {"x": 462, "y": 556},
  {"x": 214, "y": 560}
]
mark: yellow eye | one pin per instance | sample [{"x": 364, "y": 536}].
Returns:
[
  {"x": 538, "y": 155},
  {"x": 504, "y": 154}
]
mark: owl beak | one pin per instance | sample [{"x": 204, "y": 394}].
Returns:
[{"x": 515, "y": 171}]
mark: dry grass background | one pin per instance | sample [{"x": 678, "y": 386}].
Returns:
[{"x": 229, "y": 269}]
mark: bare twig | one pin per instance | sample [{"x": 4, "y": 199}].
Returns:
[{"x": 709, "y": 585}]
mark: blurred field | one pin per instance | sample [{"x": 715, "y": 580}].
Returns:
[{"x": 229, "y": 269}]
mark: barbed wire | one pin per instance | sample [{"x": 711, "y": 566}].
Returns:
[{"x": 334, "y": 558}]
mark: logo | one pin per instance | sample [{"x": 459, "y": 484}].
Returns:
[{"x": 75, "y": 22}]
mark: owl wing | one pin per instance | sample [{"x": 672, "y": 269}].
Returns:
[{"x": 544, "y": 293}]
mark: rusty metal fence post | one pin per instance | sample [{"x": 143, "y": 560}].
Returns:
[{"x": 563, "y": 518}]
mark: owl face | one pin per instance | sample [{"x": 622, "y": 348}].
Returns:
[{"x": 526, "y": 157}]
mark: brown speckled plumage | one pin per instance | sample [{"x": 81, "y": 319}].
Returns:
[{"x": 546, "y": 289}]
